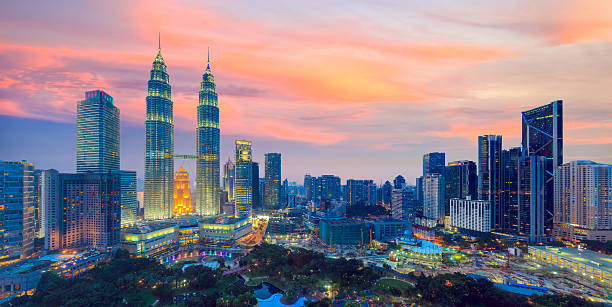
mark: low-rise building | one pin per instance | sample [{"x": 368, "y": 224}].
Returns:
[
  {"x": 344, "y": 232},
  {"x": 473, "y": 216},
  {"x": 387, "y": 229},
  {"x": 578, "y": 261},
  {"x": 225, "y": 228},
  {"x": 152, "y": 239}
]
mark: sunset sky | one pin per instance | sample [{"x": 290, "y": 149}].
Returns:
[{"x": 360, "y": 90}]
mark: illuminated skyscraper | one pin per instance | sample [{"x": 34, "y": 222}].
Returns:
[
  {"x": 207, "y": 147},
  {"x": 490, "y": 177},
  {"x": 272, "y": 191},
  {"x": 242, "y": 183},
  {"x": 129, "y": 205},
  {"x": 17, "y": 210},
  {"x": 543, "y": 136},
  {"x": 433, "y": 163},
  {"x": 433, "y": 196},
  {"x": 182, "y": 193},
  {"x": 461, "y": 181},
  {"x": 159, "y": 144},
  {"x": 229, "y": 172},
  {"x": 97, "y": 133}
]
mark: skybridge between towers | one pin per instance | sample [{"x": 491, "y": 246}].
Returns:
[{"x": 186, "y": 157}]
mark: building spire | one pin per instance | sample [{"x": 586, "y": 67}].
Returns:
[
  {"x": 158, "y": 40},
  {"x": 208, "y": 61}
]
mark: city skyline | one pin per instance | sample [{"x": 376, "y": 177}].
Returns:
[{"x": 285, "y": 86}]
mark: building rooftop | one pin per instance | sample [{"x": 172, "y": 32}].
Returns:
[
  {"x": 141, "y": 228},
  {"x": 582, "y": 256}
]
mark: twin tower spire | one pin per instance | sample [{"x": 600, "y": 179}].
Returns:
[
  {"x": 159, "y": 145},
  {"x": 159, "y": 50}
]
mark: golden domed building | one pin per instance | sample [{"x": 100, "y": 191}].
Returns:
[{"x": 182, "y": 193}]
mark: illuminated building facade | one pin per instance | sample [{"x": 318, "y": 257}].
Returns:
[
  {"x": 360, "y": 191},
  {"x": 229, "y": 173},
  {"x": 327, "y": 188},
  {"x": 461, "y": 181},
  {"x": 129, "y": 203},
  {"x": 583, "y": 199},
  {"x": 471, "y": 215},
  {"x": 87, "y": 213},
  {"x": 159, "y": 144},
  {"x": 542, "y": 135},
  {"x": 433, "y": 163},
  {"x": 433, "y": 196},
  {"x": 97, "y": 133},
  {"x": 207, "y": 147},
  {"x": 490, "y": 177},
  {"x": 17, "y": 210},
  {"x": 403, "y": 203},
  {"x": 242, "y": 184},
  {"x": 182, "y": 193},
  {"x": 272, "y": 190},
  {"x": 531, "y": 197},
  {"x": 511, "y": 159}
]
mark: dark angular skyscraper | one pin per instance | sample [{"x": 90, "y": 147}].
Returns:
[
  {"x": 532, "y": 197},
  {"x": 97, "y": 133},
  {"x": 511, "y": 159},
  {"x": 461, "y": 181},
  {"x": 207, "y": 134},
  {"x": 159, "y": 144},
  {"x": 543, "y": 136},
  {"x": 272, "y": 191},
  {"x": 399, "y": 182},
  {"x": 434, "y": 163},
  {"x": 255, "y": 185},
  {"x": 490, "y": 176}
]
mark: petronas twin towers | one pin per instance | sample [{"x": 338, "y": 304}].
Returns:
[{"x": 159, "y": 146}]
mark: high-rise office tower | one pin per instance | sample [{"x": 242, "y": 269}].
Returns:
[
  {"x": 39, "y": 229},
  {"x": 387, "y": 191},
  {"x": 583, "y": 199},
  {"x": 50, "y": 198},
  {"x": 404, "y": 203},
  {"x": 310, "y": 186},
  {"x": 242, "y": 184},
  {"x": 434, "y": 163},
  {"x": 97, "y": 133},
  {"x": 532, "y": 197},
  {"x": 327, "y": 188},
  {"x": 284, "y": 193},
  {"x": 17, "y": 210},
  {"x": 543, "y": 136},
  {"x": 461, "y": 181},
  {"x": 229, "y": 172},
  {"x": 87, "y": 212},
  {"x": 433, "y": 196},
  {"x": 255, "y": 185},
  {"x": 361, "y": 191},
  {"x": 272, "y": 191},
  {"x": 182, "y": 193},
  {"x": 159, "y": 144},
  {"x": 419, "y": 194},
  {"x": 511, "y": 159},
  {"x": 207, "y": 132},
  {"x": 129, "y": 205},
  {"x": 490, "y": 177},
  {"x": 262, "y": 185},
  {"x": 399, "y": 182}
]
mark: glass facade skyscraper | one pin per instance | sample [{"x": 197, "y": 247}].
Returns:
[
  {"x": 229, "y": 172},
  {"x": 207, "y": 147},
  {"x": 159, "y": 144},
  {"x": 242, "y": 181},
  {"x": 511, "y": 159},
  {"x": 532, "y": 197},
  {"x": 129, "y": 206},
  {"x": 17, "y": 228},
  {"x": 434, "y": 163},
  {"x": 272, "y": 190},
  {"x": 461, "y": 181},
  {"x": 97, "y": 133},
  {"x": 490, "y": 176},
  {"x": 255, "y": 185},
  {"x": 542, "y": 135}
]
